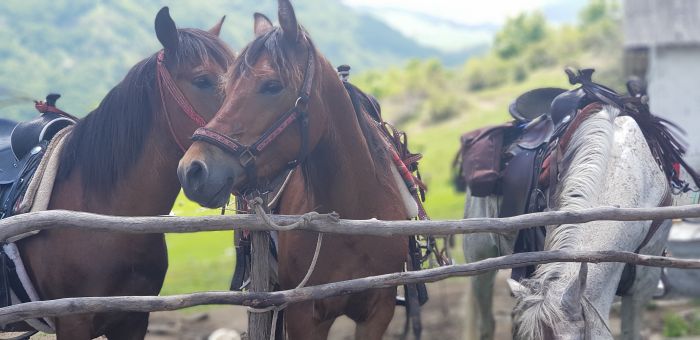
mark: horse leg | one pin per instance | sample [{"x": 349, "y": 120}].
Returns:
[
  {"x": 632, "y": 309},
  {"x": 74, "y": 327},
  {"x": 133, "y": 327},
  {"x": 633, "y": 305},
  {"x": 645, "y": 286},
  {"x": 377, "y": 321},
  {"x": 301, "y": 323},
  {"x": 480, "y": 322}
]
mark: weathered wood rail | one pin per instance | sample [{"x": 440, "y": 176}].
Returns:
[
  {"x": 81, "y": 305},
  {"x": 330, "y": 223},
  {"x": 44, "y": 220}
]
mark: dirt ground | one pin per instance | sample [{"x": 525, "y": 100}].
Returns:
[{"x": 443, "y": 317}]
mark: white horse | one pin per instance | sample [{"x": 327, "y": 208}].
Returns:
[{"x": 608, "y": 163}]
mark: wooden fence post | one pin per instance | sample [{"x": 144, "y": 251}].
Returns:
[{"x": 259, "y": 323}]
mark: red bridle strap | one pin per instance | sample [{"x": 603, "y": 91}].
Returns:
[{"x": 165, "y": 82}]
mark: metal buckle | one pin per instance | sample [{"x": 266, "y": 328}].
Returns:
[
  {"x": 246, "y": 157},
  {"x": 301, "y": 100}
]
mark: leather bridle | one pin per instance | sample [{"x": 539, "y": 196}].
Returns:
[
  {"x": 166, "y": 82},
  {"x": 247, "y": 154}
]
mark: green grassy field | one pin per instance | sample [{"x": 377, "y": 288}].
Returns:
[
  {"x": 204, "y": 261},
  {"x": 198, "y": 261}
]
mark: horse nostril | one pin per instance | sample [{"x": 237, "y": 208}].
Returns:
[{"x": 196, "y": 175}]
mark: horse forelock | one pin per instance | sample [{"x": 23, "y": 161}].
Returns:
[
  {"x": 586, "y": 159},
  {"x": 109, "y": 141},
  {"x": 279, "y": 52}
]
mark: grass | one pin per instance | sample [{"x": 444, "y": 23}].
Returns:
[{"x": 198, "y": 261}]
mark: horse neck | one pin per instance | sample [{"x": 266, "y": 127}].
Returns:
[
  {"x": 150, "y": 188},
  {"x": 340, "y": 173}
]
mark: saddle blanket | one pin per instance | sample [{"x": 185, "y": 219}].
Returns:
[{"x": 36, "y": 198}]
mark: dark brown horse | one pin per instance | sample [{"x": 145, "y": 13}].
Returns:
[
  {"x": 287, "y": 101},
  {"x": 121, "y": 159}
]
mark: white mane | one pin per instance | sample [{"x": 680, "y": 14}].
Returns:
[{"x": 582, "y": 182}]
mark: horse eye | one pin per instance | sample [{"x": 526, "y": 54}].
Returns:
[
  {"x": 271, "y": 87},
  {"x": 202, "y": 83}
]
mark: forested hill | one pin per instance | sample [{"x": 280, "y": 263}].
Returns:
[{"x": 82, "y": 48}]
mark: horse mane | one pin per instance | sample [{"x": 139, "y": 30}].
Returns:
[
  {"x": 107, "y": 143},
  {"x": 282, "y": 60},
  {"x": 587, "y": 156}
]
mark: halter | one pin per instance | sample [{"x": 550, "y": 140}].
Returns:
[
  {"x": 247, "y": 153},
  {"x": 165, "y": 80}
]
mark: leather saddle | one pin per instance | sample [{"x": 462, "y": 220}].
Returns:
[
  {"x": 21, "y": 147},
  {"x": 546, "y": 114}
]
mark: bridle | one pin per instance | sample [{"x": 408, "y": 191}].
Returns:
[
  {"x": 247, "y": 154},
  {"x": 165, "y": 82}
]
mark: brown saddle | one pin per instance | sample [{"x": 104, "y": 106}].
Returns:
[{"x": 485, "y": 157}]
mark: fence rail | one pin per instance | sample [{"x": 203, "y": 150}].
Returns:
[
  {"x": 68, "y": 306},
  {"x": 329, "y": 223}
]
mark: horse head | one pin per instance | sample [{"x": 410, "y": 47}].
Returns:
[
  {"x": 536, "y": 317},
  {"x": 188, "y": 71},
  {"x": 271, "y": 117}
]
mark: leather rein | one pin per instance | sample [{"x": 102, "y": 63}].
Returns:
[
  {"x": 247, "y": 154},
  {"x": 165, "y": 82}
]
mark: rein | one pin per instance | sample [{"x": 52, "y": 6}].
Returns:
[
  {"x": 166, "y": 82},
  {"x": 247, "y": 154}
]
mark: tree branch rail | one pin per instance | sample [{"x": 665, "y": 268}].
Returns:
[
  {"x": 80, "y": 305},
  {"x": 328, "y": 223}
]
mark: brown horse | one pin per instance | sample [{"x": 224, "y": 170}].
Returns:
[
  {"x": 121, "y": 159},
  {"x": 278, "y": 83}
]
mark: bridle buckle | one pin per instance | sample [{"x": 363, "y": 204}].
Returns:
[
  {"x": 301, "y": 102},
  {"x": 246, "y": 157}
]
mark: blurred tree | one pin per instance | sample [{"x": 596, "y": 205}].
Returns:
[
  {"x": 597, "y": 11},
  {"x": 520, "y": 32}
]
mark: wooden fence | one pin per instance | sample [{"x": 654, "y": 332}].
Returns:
[{"x": 330, "y": 223}]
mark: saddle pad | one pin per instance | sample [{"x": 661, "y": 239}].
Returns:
[{"x": 41, "y": 186}]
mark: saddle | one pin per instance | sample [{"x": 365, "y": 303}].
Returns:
[
  {"x": 491, "y": 156},
  {"x": 22, "y": 147},
  {"x": 17, "y": 140}
]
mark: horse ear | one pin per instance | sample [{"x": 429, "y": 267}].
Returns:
[
  {"x": 288, "y": 21},
  {"x": 216, "y": 29},
  {"x": 572, "y": 296},
  {"x": 517, "y": 289},
  {"x": 166, "y": 31},
  {"x": 261, "y": 24}
]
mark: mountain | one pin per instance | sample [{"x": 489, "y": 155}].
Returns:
[
  {"x": 82, "y": 48},
  {"x": 429, "y": 30},
  {"x": 457, "y": 40}
]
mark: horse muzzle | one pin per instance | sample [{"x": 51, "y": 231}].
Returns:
[{"x": 207, "y": 176}]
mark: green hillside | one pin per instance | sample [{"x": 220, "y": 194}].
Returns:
[{"x": 82, "y": 48}]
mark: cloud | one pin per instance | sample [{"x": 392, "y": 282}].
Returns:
[{"x": 461, "y": 11}]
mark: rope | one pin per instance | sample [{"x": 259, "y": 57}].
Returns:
[
  {"x": 307, "y": 218},
  {"x": 257, "y": 204}
]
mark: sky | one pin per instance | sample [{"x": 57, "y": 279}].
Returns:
[{"x": 469, "y": 12}]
